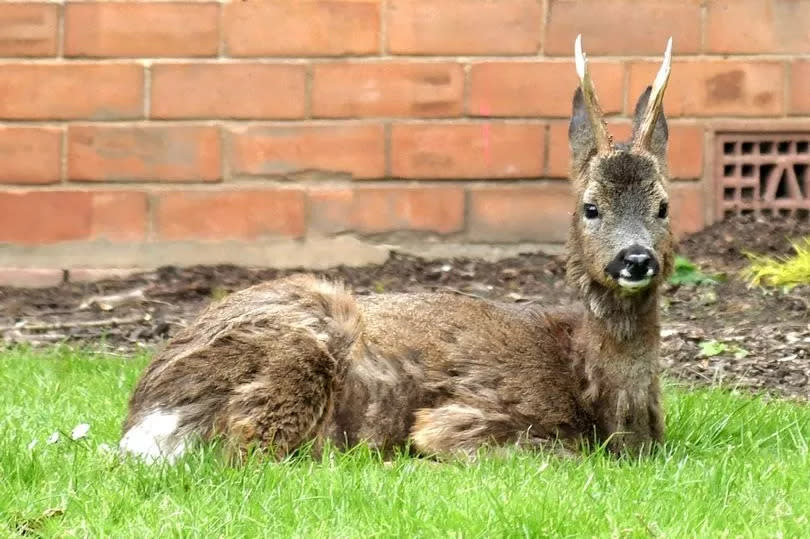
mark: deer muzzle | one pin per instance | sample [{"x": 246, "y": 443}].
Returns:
[{"x": 633, "y": 267}]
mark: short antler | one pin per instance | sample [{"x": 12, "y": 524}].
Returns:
[
  {"x": 604, "y": 141},
  {"x": 645, "y": 130}
]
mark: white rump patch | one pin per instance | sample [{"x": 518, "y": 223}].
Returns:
[{"x": 154, "y": 438}]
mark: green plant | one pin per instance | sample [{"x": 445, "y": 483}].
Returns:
[
  {"x": 687, "y": 272},
  {"x": 715, "y": 348},
  {"x": 787, "y": 271}
]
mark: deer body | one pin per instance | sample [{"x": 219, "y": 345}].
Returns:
[{"x": 301, "y": 360}]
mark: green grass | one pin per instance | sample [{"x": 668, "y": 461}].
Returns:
[
  {"x": 686, "y": 272},
  {"x": 734, "y": 465},
  {"x": 786, "y": 271}
]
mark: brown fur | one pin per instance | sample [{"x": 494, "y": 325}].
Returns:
[{"x": 300, "y": 359}]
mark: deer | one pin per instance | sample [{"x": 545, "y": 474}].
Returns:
[{"x": 300, "y": 361}]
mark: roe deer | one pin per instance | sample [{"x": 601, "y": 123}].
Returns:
[{"x": 301, "y": 360}]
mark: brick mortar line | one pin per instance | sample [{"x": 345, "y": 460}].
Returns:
[
  {"x": 230, "y": 123},
  {"x": 147, "y": 90},
  {"x": 63, "y": 156},
  {"x": 60, "y": 29},
  {"x": 466, "y": 210},
  {"x": 383, "y": 44},
  {"x": 150, "y": 222},
  {"x": 241, "y": 184},
  {"x": 466, "y": 89},
  {"x": 546, "y": 7},
  {"x": 309, "y": 77},
  {"x": 221, "y": 52},
  {"x": 371, "y": 59}
]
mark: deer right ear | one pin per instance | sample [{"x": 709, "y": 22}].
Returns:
[
  {"x": 581, "y": 138},
  {"x": 660, "y": 133}
]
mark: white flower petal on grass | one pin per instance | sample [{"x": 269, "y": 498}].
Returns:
[
  {"x": 80, "y": 431},
  {"x": 52, "y": 439},
  {"x": 104, "y": 448},
  {"x": 32, "y": 444}
]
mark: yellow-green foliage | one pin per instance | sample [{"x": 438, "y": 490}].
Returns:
[{"x": 781, "y": 271}]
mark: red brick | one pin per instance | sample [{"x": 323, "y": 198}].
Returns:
[
  {"x": 758, "y": 26},
  {"x": 685, "y": 155},
  {"x": 623, "y": 27},
  {"x": 221, "y": 215},
  {"x": 30, "y": 155},
  {"x": 143, "y": 153},
  {"x": 28, "y": 29},
  {"x": 685, "y": 151},
  {"x": 464, "y": 26},
  {"x": 559, "y": 154},
  {"x": 133, "y": 29},
  {"x": 31, "y": 277},
  {"x": 71, "y": 91},
  {"x": 482, "y": 150},
  {"x": 228, "y": 91},
  {"x": 715, "y": 88},
  {"x": 308, "y": 28},
  {"x": 119, "y": 216},
  {"x": 387, "y": 89},
  {"x": 37, "y": 217},
  {"x": 540, "y": 88},
  {"x": 358, "y": 150},
  {"x": 538, "y": 213},
  {"x": 688, "y": 208},
  {"x": 375, "y": 210},
  {"x": 800, "y": 87}
]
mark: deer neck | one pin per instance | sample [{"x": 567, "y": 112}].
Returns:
[{"x": 617, "y": 349}]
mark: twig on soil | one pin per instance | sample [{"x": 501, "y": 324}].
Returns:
[
  {"x": 76, "y": 324},
  {"x": 461, "y": 293}
]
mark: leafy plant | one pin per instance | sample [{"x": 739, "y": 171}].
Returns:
[
  {"x": 687, "y": 272},
  {"x": 787, "y": 271},
  {"x": 715, "y": 348}
]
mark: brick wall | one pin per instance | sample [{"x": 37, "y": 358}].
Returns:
[{"x": 138, "y": 131}]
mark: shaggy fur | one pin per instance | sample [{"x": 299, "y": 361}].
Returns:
[{"x": 301, "y": 360}]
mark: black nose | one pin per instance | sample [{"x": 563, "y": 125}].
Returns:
[
  {"x": 633, "y": 263},
  {"x": 637, "y": 263}
]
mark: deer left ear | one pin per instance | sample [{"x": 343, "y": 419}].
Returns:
[{"x": 660, "y": 134}]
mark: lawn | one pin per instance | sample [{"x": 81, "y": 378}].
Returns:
[{"x": 734, "y": 465}]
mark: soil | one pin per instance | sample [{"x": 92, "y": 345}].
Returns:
[{"x": 724, "y": 333}]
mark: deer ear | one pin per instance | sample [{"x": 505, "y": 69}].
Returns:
[
  {"x": 660, "y": 135},
  {"x": 581, "y": 138}
]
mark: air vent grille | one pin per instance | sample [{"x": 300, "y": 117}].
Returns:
[{"x": 763, "y": 174}]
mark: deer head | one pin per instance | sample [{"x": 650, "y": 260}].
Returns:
[{"x": 620, "y": 244}]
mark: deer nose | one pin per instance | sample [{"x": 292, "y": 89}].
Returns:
[
  {"x": 637, "y": 261},
  {"x": 634, "y": 263}
]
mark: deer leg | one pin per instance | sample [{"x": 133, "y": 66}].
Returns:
[
  {"x": 460, "y": 430},
  {"x": 285, "y": 405}
]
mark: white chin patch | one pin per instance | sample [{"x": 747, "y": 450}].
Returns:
[
  {"x": 627, "y": 284},
  {"x": 154, "y": 438}
]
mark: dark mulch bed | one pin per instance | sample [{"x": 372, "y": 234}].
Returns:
[{"x": 765, "y": 334}]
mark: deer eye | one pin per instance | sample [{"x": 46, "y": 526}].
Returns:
[
  {"x": 590, "y": 211},
  {"x": 663, "y": 209}
]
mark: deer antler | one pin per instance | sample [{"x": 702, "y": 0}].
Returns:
[
  {"x": 604, "y": 142},
  {"x": 645, "y": 130}
]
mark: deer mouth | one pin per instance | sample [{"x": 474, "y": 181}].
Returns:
[{"x": 631, "y": 281}]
